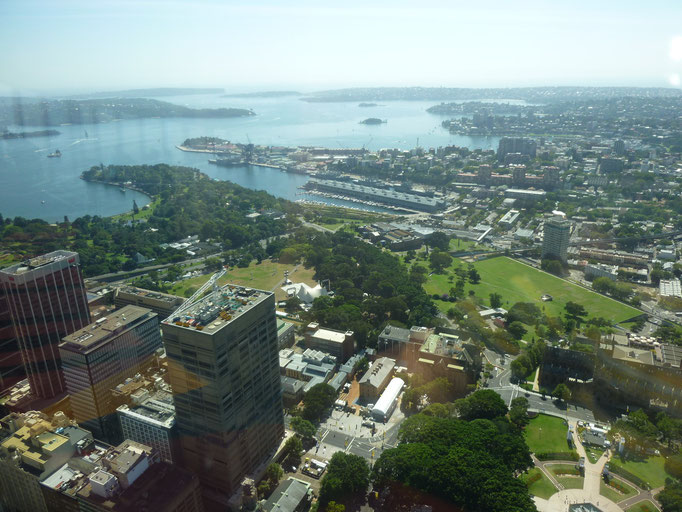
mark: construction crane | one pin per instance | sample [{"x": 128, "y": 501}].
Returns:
[{"x": 212, "y": 282}]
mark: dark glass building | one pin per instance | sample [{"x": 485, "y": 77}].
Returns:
[{"x": 47, "y": 301}]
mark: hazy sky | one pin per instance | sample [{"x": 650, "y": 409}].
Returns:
[{"x": 102, "y": 45}]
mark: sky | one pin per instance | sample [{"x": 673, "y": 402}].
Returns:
[{"x": 306, "y": 45}]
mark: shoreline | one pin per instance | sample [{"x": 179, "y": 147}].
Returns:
[
  {"x": 120, "y": 185},
  {"x": 193, "y": 150}
]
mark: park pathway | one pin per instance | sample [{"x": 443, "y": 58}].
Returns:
[
  {"x": 560, "y": 501},
  {"x": 536, "y": 381}
]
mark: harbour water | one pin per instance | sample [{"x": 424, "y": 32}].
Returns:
[{"x": 34, "y": 186}]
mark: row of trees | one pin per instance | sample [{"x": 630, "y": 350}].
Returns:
[
  {"x": 528, "y": 360},
  {"x": 617, "y": 290},
  {"x": 643, "y": 429}
]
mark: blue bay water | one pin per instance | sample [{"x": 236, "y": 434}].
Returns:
[{"x": 32, "y": 185}]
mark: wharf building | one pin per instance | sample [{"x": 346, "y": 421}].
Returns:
[
  {"x": 101, "y": 355},
  {"x": 47, "y": 301},
  {"x": 379, "y": 195},
  {"x": 223, "y": 369},
  {"x": 557, "y": 232}
]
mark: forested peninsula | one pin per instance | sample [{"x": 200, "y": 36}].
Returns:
[
  {"x": 185, "y": 202},
  {"x": 46, "y": 112}
]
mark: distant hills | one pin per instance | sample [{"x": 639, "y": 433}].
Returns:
[
  {"x": 530, "y": 94},
  {"x": 44, "y": 112},
  {"x": 263, "y": 94},
  {"x": 146, "y": 93}
]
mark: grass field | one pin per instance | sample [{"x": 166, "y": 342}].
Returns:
[
  {"x": 643, "y": 506},
  {"x": 571, "y": 482},
  {"x": 564, "y": 475},
  {"x": 610, "y": 493},
  {"x": 266, "y": 276},
  {"x": 546, "y": 434},
  {"x": 517, "y": 282},
  {"x": 650, "y": 470},
  {"x": 541, "y": 488},
  {"x": 459, "y": 245}
]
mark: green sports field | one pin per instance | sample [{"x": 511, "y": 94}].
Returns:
[
  {"x": 518, "y": 282},
  {"x": 546, "y": 434}
]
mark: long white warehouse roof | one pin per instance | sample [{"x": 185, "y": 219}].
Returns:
[{"x": 388, "y": 396}]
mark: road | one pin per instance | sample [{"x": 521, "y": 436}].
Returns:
[{"x": 501, "y": 383}]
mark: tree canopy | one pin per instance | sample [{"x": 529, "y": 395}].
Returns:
[
  {"x": 317, "y": 402},
  {"x": 465, "y": 463},
  {"x": 347, "y": 476},
  {"x": 483, "y": 404}
]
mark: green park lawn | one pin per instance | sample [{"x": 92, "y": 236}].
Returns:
[
  {"x": 546, "y": 434},
  {"x": 518, "y": 282},
  {"x": 571, "y": 482},
  {"x": 651, "y": 469},
  {"x": 643, "y": 506},
  {"x": 564, "y": 474},
  {"x": 542, "y": 488},
  {"x": 266, "y": 276},
  {"x": 459, "y": 245},
  {"x": 609, "y": 492}
]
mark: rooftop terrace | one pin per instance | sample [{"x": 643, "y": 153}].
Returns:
[{"x": 219, "y": 308}]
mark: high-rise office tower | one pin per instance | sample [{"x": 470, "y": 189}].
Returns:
[
  {"x": 557, "y": 232},
  {"x": 102, "y": 355},
  {"x": 224, "y": 371},
  {"x": 11, "y": 366},
  {"x": 47, "y": 301}
]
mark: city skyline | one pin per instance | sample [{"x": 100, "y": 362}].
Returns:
[{"x": 77, "y": 46}]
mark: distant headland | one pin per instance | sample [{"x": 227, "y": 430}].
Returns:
[
  {"x": 44, "y": 112},
  {"x": 147, "y": 93},
  {"x": 263, "y": 94}
]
